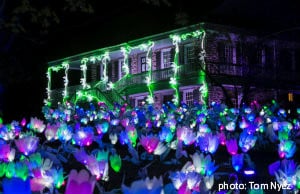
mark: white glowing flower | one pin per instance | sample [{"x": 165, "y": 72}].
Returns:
[{"x": 153, "y": 186}]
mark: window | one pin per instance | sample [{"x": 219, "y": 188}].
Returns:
[
  {"x": 225, "y": 53},
  {"x": 121, "y": 71},
  {"x": 166, "y": 60},
  {"x": 143, "y": 65},
  {"x": 190, "y": 55},
  {"x": 189, "y": 98}
]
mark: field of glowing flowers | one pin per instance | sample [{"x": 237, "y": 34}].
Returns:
[{"x": 90, "y": 148}]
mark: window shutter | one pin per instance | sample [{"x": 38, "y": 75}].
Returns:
[
  {"x": 129, "y": 65},
  {"x": 109, "y": 71},
  {"x": 181, "y": 54},
  {"x": 98, "y": 71},
  {"x": 158, "y": 59},
  {"x": 116, "y": 71},
  {"x": 172, "y": 54},
  {"x": 221, "y": 51}
]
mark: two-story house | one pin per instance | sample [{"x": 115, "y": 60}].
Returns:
[{"x": 202, "y": 62}]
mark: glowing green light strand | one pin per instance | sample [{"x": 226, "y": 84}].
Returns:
[
  {"x": 48, "y": 89},
  {"x": 204, "y": 88},
  {"x": 66, "y": 80},
  {"x": 125, "y": 67},
  {"x": 173, "y": 80},
  {"x": 148, "y": 47},
  {"x": 105, "y": 58},
  {"x": 83, "y": 68}
]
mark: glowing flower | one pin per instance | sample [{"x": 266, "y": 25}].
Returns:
[
  {"x": 51, "y": 132},
  {"x": 113, "y": 138},
  {"x": 27, "y": 144},
  {"x": 203, "y": 165},
  {"x": 153, "y": 186},
  {"x": 186, "y": 135},
  {"x": 7, "y": 153},
  {"x": 115, "y": 162},
  {"x": 160, "y": 149},
  {"x": 64, "y": 132},
  {"x": 247, "y": 141},
  {"x": 232, "y": 146},
  {"x": 237, "y": 161},
  {"x": 286, "y": 149},
  {"x": 37, "y": 125},
  {"x": 84, "y": 136},
  {"x": 102, "y": 127},
  {"x": 209, "y": 143},
  {"x": 149, "y": 143},
  {"x": 80, "y": 183},
  {"x": 209, "y": 181},
  {"x": 165, "y": 134}
]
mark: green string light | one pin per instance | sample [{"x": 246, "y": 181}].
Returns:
[
  {"x": 204, "y": 88},
  {"x": 66, "y": 66},
  {"x": 125, "y": 51},
  {"x": 83, "y": 68},
  {"x": 148, "y": 47},
  {"x": 173, "y": 80}
]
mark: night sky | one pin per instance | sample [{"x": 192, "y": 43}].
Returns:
[{"x": 24, "y": 55}]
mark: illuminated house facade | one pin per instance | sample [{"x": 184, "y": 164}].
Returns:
[{"x": 202, "y": 62}]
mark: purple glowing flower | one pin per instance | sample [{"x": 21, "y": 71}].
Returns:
[
  {"x": 80, "y": 183},
  {"x": 149, "y": 143},
  {"x": 27, "y": 144},
  {"x": 51, "y": 132},
  {"x": 7, "y": 154},
  {"x": 84, "y": 136},
  {"x": 232, "y": 146},
  {"x": 209, "y": 143}
]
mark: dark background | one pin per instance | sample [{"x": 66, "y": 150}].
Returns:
[{"x": 34, "y": 32}]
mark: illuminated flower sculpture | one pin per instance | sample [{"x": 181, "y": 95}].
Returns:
[
  {"x": 27, "y": 144},
  {"x": 147, "y": 186},
  {"x": 149, "y": 143},
  {"x": 232, "y": 147},
  {"x": 286, "y": 149},
  {"x": 37, "y": 125},
  {"x": 247, "y": 141},
  {"x": 287, "y": 174},
  {"x": 186, "y": 135},
  {"x": 80, "y": 183},
  {"x": 7, "y": 153}
]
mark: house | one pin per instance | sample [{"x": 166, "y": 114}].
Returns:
[{"x": 199, "y": 63}]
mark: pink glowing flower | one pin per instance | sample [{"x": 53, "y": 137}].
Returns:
[
  {"x": 37, "y": 125},
  {"x": 51, "y": 132},
  {"x": 7, "y": 154},
  {"x": 80, "y": 183},
  {"x": 149, "y": 143},
  {"x": 232, "y": 146},
  {"x": 27, "y": 144}
]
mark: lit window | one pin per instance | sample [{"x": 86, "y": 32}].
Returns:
[
  {"x": 190, "y": 56},
  {"x": 189, "y": 97},
  {"x": 166, "y": 58},
  {"x": 143, "y": 64}
]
